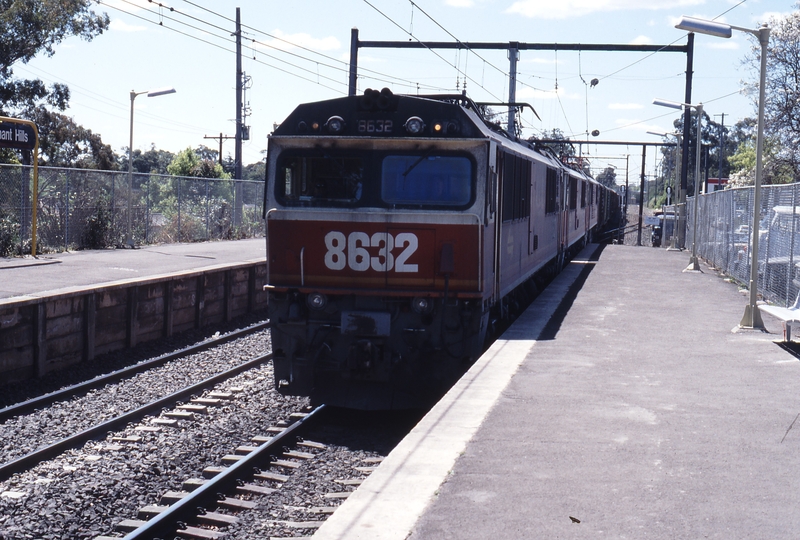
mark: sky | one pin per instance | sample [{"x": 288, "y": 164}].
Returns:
[{"x": 298, "y": 51}]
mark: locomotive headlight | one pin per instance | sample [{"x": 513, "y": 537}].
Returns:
[
  {"x": 317, "y": 300},
  {"x": 414, "y": 125},
  {"x": 438, "y": 127},
  {"x": 335, "y": 125},
  {"x": 422, "y": 305}
]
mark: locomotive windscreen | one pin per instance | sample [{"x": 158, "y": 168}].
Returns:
[
  {"x": 437, "y": 180},
  {"x": 352, "y": 178}
]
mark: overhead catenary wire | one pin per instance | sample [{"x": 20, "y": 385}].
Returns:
[
  {"x": 384, "y": 77},
  {"x": 466, "y": 76}
]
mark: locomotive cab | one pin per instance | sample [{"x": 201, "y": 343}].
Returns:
[{"x": 374, "y": 249}]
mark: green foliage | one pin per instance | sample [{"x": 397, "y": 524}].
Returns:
[
  {"x": 97, "y": 228},
  {"x": 608, "y": 177},
  {"x": 35, "y": 27},
  {"x": 153, "y": 161},
  {"x": 63, "y": 143},
  {"x": 189, "y": 163},
  {"x": 9, "y": 235}
]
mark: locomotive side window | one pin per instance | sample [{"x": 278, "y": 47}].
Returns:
[
  {"x": 583, "y": 194},
  {"x": 426, "y": 180},
  {"x": 573, "y": 193},
  {"x": 551, "y": 192},
  {"x": 320, "y": 180},
  {"x": 516, "y": 187}
]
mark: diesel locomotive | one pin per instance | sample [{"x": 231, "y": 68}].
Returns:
[{"x": 399, "y": 228}]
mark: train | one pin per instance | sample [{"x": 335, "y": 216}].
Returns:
[{"x": 401, "y": 229}]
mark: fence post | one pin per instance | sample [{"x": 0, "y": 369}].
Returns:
[
  {"x": 66, "y": 214},
  {"x": 179, "y": 209},
  {"x": 147, "y": 211}
]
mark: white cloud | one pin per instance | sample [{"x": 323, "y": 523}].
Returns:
[
  {"x": 625, "y": 106},
  {"x": 460, "y": 3},
  {"x": 541, "y": 61},
  {"x": 531, "y": 94},
  {"x": 133, "y": 6},
  {"x": 724, "y": 44},
  {"x": 121, "y": 26},
  {"x": 291, "y": 41},
  {"x": 641, "y": 40},
  {"x": 577, "y": 8}
]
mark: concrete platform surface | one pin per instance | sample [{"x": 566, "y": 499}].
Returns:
[
  {"x": 28, "y": 276},
  {"x": 620, "y": 405}
]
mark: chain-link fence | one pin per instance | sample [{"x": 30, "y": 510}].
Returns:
[
  {"x": 724, "y": 223},
  {"x": 88, "y": 209}
]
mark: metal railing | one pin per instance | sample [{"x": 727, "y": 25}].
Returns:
[
  {"x": 89, "y": 209},
  {"x": 724, "y": 237}
]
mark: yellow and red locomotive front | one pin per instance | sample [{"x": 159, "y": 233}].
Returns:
[{"x": 374, "y": 249}]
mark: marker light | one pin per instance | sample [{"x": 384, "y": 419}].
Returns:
[
  {"x": 437, "y": 127},
  {"x": 422, "y": 305},
  {"x": 335, "y": 125},
  {"x": 414, "y": 125},
  {"x": 317, "y": 300}
]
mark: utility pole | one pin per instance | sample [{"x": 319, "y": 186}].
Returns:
[
  {"x": 513, "y": 56},
  {"x": 641, "y": 196},
  {"x": 240, "y": 129},
  {"x": 221, "y": 138},
  {"x": 721, "y": 147},
  {"x": 237, "y": 155}
]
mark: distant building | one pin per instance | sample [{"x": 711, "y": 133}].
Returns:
[{"x": 716, "y": 184}]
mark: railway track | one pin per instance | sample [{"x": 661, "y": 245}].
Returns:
[
  {"x": 194, "y": 512},
  {"x": 131, "y": 471},
  {"x": 81, "y": 436},
  {"x": 55, "y": 448},
  {"x": 102, "y": 380}
]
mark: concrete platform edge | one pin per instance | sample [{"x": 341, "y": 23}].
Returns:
[{"x": 391, "y": 500}]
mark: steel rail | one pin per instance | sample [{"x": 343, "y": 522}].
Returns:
[
  {"x": 97, "y": 382},
  {"x": 46, "y": 452},
  {"x": 166, "y": 523}
]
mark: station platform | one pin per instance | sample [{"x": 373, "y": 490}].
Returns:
[
  {"x": 622, "y": 404},
  {"x": 50, "y": 273}
]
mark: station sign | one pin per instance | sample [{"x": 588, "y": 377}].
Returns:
[{"x": 17, "y": 135}]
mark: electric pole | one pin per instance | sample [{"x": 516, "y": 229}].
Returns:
[{"x": 221, "y": 138}]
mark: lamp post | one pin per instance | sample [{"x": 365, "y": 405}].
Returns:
[
  {"x": 752, "y": 315},
  {"x": 675, "y": 187},
  {"x": 150, "y": 93},
  {"x": 693, "y": 262}
]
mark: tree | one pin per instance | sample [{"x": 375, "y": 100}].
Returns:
[
  {"x": 608, "y": 177},
  {"x": 153, "y": 161},
  {"x": 564, "y": 150},
  {"x": 63, "y": 143},
  {"x": 782, "y": 109},
  {"x": 32, "y": 27},
  {"x": 257, "y": 170},
  {"x": 188, "y": 163}
]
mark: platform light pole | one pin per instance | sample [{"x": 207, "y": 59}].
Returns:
[
  {"x": 693, "y": 261},
  {"x": 150, "y": 93},
  {"x": 752, "y": 315}
]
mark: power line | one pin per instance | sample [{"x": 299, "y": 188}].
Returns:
[
  {"x": 431, "y": 50},
  {"x": 228, "y": 50},
  {"x": 345, "y": 66}
]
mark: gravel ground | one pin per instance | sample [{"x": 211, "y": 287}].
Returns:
[
  {"x": 22, "y": 435},
  {"x": 86, "y": 491},
  {"x": 352, "y": 439},
  {"x": 19, "y": 391}
]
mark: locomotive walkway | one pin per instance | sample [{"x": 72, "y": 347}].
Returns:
[{"x": 620, "y": 405}]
